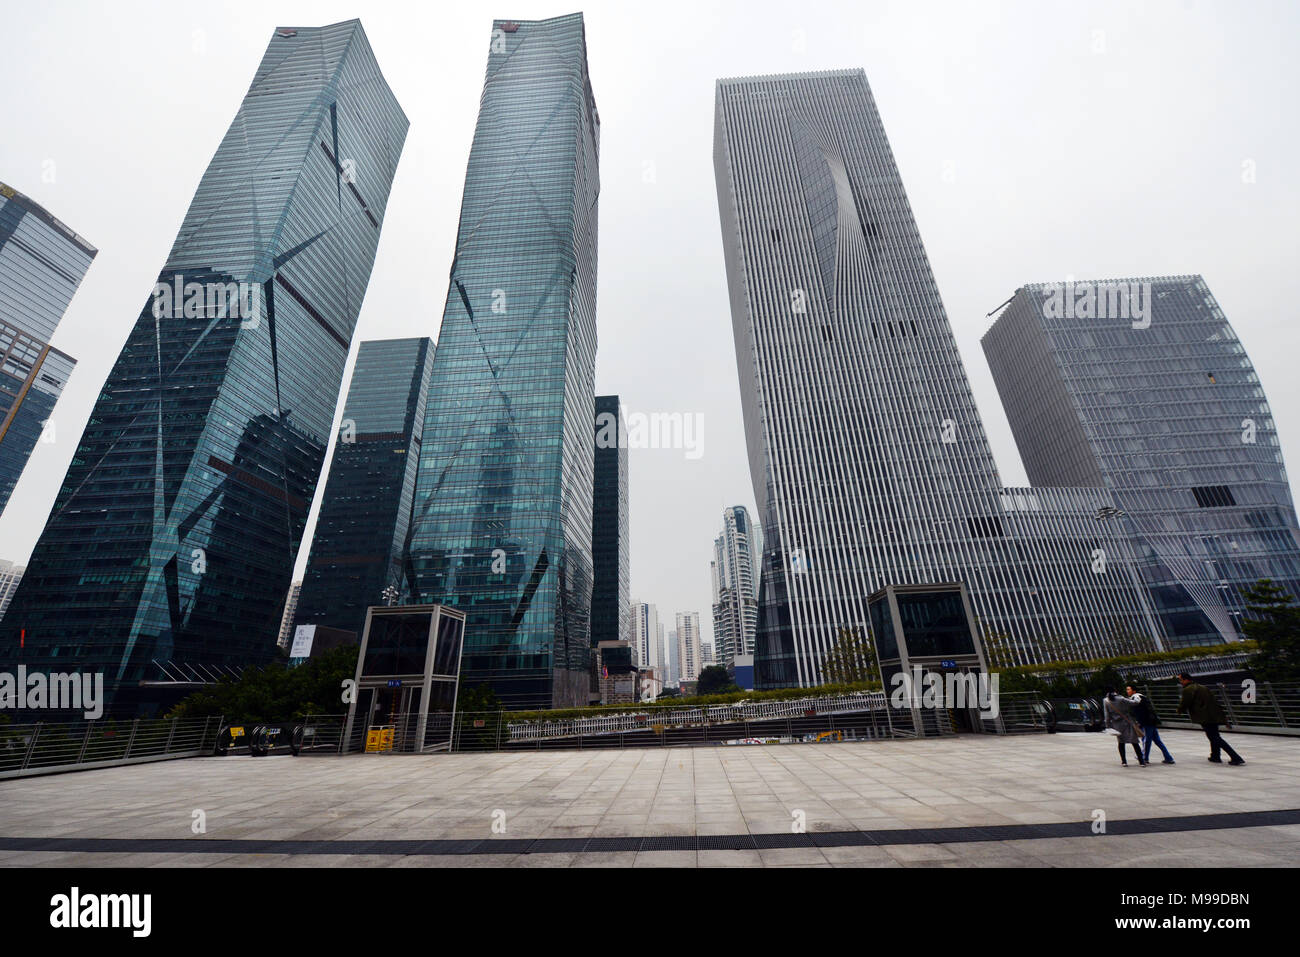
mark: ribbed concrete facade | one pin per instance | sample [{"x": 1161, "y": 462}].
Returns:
[{"x": 869, "y": 461}]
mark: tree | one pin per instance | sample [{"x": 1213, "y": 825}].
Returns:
[
  {"x": 478, "y": 719},
  {"x": 277, "y": 693},
  {"x": 851, "y": 660},
  {"x": 478, "y": 699},
  {"x": 714, "y": 680},
  {"x": 1275, "y": 625}
]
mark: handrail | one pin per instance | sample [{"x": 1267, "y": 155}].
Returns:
[{"x": 46, "y": 748}]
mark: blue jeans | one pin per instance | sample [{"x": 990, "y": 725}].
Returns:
[{"x": 1150, "y": 734}]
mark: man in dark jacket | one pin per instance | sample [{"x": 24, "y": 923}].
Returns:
[
  {"x": 1144, "y": 713},
  {"x": 1198, "y": 704}
]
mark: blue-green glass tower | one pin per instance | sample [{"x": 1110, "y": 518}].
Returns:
[
  {"x": 174, "y": 534},
  {"x": 365, "y": 508},
  {"x": 503, "y": 501},
  {"x": 42, "y": 263}
]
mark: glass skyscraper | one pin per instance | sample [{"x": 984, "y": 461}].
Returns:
[
  {"x": 1142, "y": 386},
  {"x": 503, "y": 502},
  {"x": 42, "y": 262},
  {"x": 365, "y": 510},
  {"x": 611, "y": 590},
  {"x": 869, "y": 461},
  {"x": 175, "y": 532}
]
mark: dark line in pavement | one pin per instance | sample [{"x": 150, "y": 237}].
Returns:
[{"x": 691, "y": 842}]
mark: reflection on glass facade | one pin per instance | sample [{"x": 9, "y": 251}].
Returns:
[
  {"x": 42, "y": 263},
  {"x": 175, "y": 531},
  {"x": 611, "y": 589},
  {"x": 1142, "y": 386},
  {"x": 503, "y": 502},
  {"x": 869, "y": 461},
  {"x": 934, "y": 623},
  {"x": 366, "y": 506},
  {"x": 397, "y": 645}
]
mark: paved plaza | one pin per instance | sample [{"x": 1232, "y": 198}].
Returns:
[{"x": 577, "y": 801}]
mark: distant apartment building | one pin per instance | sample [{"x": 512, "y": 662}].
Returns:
[
  {"x": 674, "y": 671},
  {"x": 42, "y": 262},
  {"x": 662, "y": 665},
  {"x": 286, "y": 620},
  {"x": 734, "y": 573},
  {"x": 645, "y": 633},
  {"x": 10, "y": 576},
  {"x": 688, "y": 645}
]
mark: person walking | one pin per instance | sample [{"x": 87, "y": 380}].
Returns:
[
  {"x": 1199, "y": 705},
  {"x": 1119, "y": 721},
  {"x": 1144, "y": 713}
]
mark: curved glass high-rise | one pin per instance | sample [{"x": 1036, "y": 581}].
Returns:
[
  {"x": 869, "y": 462},
  {"x": 503, "y": 504},
  {"x": 174, "y": 534},
  {"x": 1142, "y": 386}
]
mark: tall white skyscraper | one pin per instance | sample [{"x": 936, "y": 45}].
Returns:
[
  {"x": 661, "y": 654},
  {"x": 707, "y": 657},
  {"x": 286, "y": 620},
  {"x": 688, "y": 645},
  {"x": 645, "y": 633},
  {"x": 734, "y": 571},
  {"x": 868, "y": 458}
]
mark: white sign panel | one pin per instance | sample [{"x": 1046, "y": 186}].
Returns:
[{"x": 302, "y": 638}]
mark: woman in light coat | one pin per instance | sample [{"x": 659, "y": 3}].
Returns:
[{"x": 1119, "y": 721}]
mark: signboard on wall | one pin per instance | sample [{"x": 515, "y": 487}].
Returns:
[{"x": 303, "y": 636}]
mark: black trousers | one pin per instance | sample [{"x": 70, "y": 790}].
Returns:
[
  {"x": 1136, "y": 750},
  {"x": 1217, "y": 742}
]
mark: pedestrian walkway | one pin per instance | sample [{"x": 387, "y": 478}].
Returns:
[{"x": 970, "y": 801}]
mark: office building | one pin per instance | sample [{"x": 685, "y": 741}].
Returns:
[
  {"x": 365, "y": 512},
  {"x": 174, "y": 534},
  {"x": 42, "y": 263},
  {"x": 1142, "y": 386},
  {"x": 869, "y": 462},
  {"x": 611, "y": 589},
  {"x": 688, "y": 645},
  {"x": 503, "y": 502},
  {"x": 645, "y": 633}
]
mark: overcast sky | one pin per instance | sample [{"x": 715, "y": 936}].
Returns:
[{"x": 1036, "y": 141}]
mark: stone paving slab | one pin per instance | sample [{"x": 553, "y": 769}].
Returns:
[{"x": 927, "y": 787}]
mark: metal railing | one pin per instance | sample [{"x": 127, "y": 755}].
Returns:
[
  {"x": 46, "y": 747},
  {"x": 1259, "y": 706},
  {"x": 1208, "y": 664},
  {"x": 660, "y": 719},
  {"x": 1022, "y": 712},
  {"x": 324, "y": 734}
]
